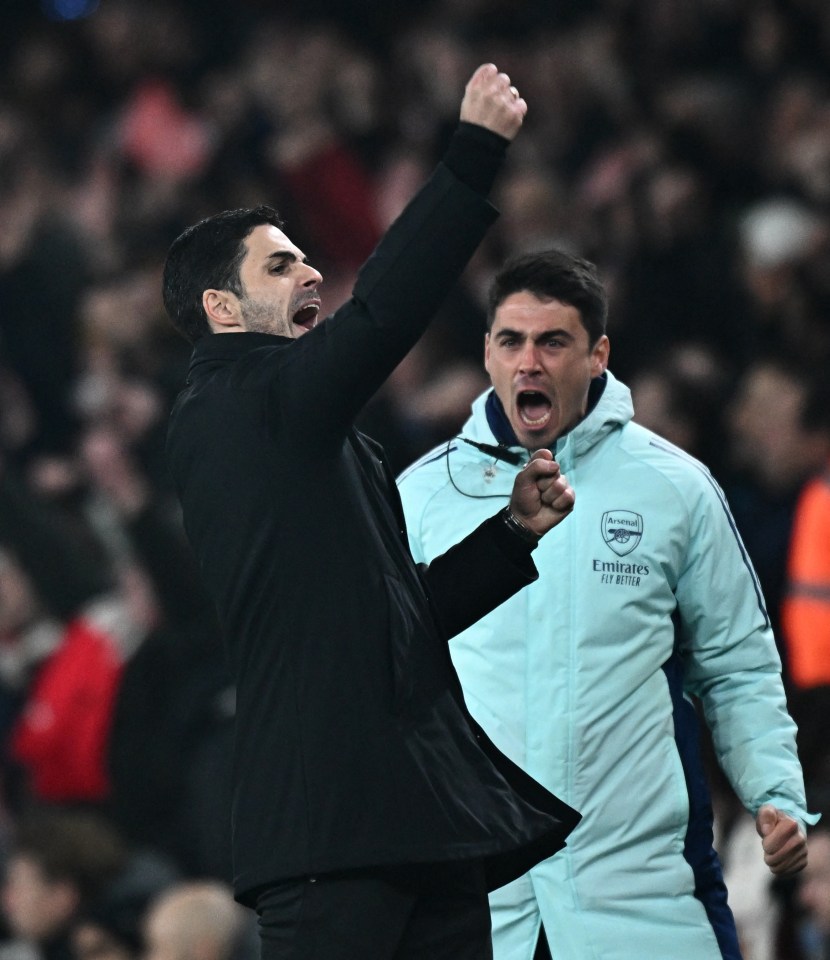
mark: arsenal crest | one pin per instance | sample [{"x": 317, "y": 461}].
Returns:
[{"x": 622, "y": 530}]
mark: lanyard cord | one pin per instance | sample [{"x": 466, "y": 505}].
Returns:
[{"x": 497, "y": 453}]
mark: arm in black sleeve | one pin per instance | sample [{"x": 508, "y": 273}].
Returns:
[
  {"x": 475, "y": 155},
  {"x": 327, "y": 375},
  {"x": 478, "y": 574}
]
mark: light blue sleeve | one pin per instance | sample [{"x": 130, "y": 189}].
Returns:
[{"x": 731, "y": 660}]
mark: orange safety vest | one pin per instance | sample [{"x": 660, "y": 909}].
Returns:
[{"x": 805, "y": 613}]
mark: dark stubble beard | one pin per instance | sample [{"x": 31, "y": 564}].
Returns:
[{"x": 260, "y": 318}]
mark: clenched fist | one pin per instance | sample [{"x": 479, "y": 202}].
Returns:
[
  {"x": 490, "y": 101},
  {"x": 542, "y": 496}
]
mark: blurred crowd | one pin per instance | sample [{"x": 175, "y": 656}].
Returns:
[{"x": 682, "y": 146}]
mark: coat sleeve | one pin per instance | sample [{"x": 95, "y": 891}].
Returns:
[
  {"x": 327, "y": 375},
  {"x": 477, "y": 575},
  {"x": 732, "y": 663}
]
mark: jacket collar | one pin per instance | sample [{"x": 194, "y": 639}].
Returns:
[{"x": 231, "y": 346}]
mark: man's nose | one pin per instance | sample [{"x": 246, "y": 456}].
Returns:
[
  {"x": 314, "y": 276},
  {"x": 529, "y": 359}
]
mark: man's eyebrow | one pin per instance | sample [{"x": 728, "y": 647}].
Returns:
[
  {"x": 518, "y": 334},
  {"x": 560, "y": 332},
  {"x": 286, "y": 256}
]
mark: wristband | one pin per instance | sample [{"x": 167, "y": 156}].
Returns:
[{"x": 512, "y": 522}]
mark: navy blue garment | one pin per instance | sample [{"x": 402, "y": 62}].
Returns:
[{"x": 699, "y": 848}]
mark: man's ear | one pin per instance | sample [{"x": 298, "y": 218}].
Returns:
[
  {"x": 487, "y": 352},
  {"x": 599, "y": 356},
  {"x": 222, "y": 310}
]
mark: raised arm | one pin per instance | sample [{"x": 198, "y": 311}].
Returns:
[{"x": 345, "y": 359}]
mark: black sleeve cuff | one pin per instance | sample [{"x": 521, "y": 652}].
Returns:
[
  {"x": 480, "y": 572},
  {"x": 511, "y": 545},
  {"x": 475, "y": 155}
]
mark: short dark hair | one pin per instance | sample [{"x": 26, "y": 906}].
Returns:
[
  {"x": 207, "y": 256},
  {"x": 71, "y": 845},
  {"x": 553, "y": 275}
]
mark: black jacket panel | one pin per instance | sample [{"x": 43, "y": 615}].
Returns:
[{"x": 353, "y": 744}]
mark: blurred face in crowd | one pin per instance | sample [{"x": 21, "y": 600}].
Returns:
[
  {"x": 193, "y": 920},
  {"x": 655, "y": 408},
  {"x": 163, "y": 935},
  {"x": 814, "y": 885},
  {"x": 18, "y": 604},
  {"x": 766, "y": 435},
  {"x": 92, "y": 942},
  {"x": 36, "y": 907},
  {"x": 280, "y": 289},
  {"x": 541, "y": 363}
]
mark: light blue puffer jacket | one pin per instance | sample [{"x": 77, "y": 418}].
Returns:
[{"x": 568, "y": 677}]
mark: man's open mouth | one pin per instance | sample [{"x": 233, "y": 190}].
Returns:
[
  {"x": 534, "y": 408},
  {"x": 306, "y": 317}
]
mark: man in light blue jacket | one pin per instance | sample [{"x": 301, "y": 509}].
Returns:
[{"x": 646, "y": 597}]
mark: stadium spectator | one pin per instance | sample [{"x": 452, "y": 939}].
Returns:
[
  {"x": 60, "y": 862},
  {"x": 198, "y": 921},
  {"x": 814, "y": 895}
]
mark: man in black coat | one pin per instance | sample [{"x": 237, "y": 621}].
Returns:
[{"x": 370, "y": 813}]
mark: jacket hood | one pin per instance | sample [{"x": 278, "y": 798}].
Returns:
[{"x": 613, "y": 410}]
